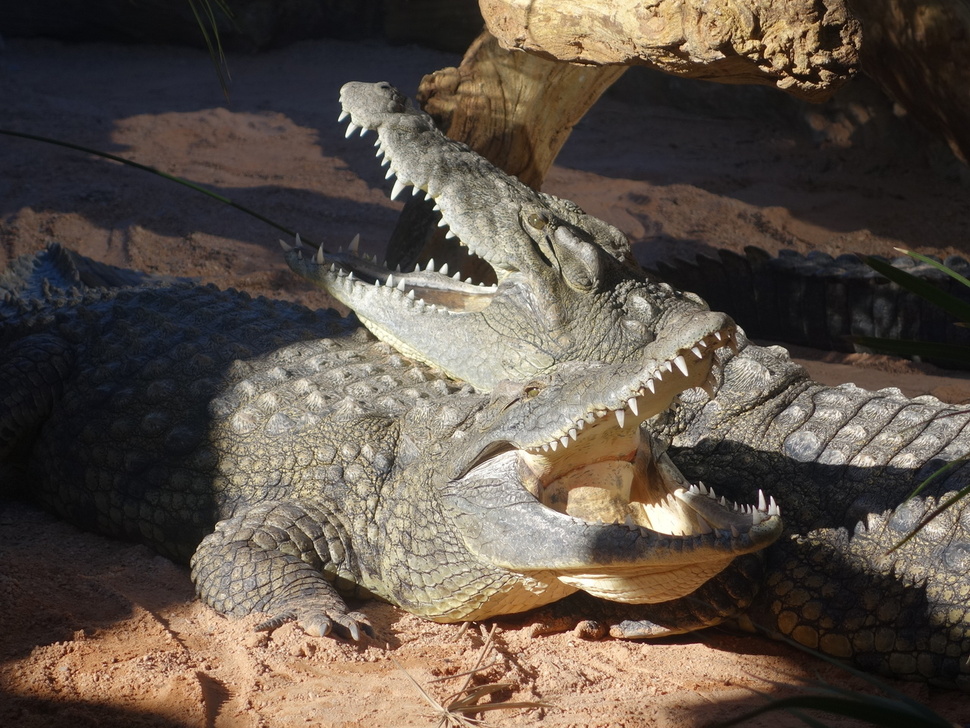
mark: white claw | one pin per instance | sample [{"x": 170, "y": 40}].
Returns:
[
  {"x": 620, "y": 417},
  {"x": 681, "y": 364}
]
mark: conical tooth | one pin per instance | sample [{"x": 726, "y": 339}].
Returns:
[
  {"x": 415, "y": 191},
  {"x": 436, "y": 208},
  {"x": 442, "y": 223},
  {"x": 430, "y": 265},
  {"x": 457, "y": 275},
  {"x": 343, "y": 115},
  {"x": 651, "y": 386},
  {"x": 398, "y": 188},
  {"x": 620, "y": 417},
  {"x": 351, "y": 128},
  {"x": 444, "y": 269},
  {"x": 658, "y": 375},
  {"x": 564, "y": 441},
  {"x": 628, "y": 521},
  {"x": 554, "y": 445},
  {"x": 286, "y": 246},
  {"x": 693, "y": 489},
  {"x": 355, "y": 244},
  {"x": 702, "y": 488},
  {"x": 632, "y": 404},
  {"x": 400, "y": 285},
  {"x": 669, "y": 366},
  {"x": 545, "y": 447},
  {"x": 319, "y": 256},
  {"x": 450, "y": 234},
  {"x": 718, "y": 335},
  {"x": 573, "y": 433},
  {"x": 468, "y": 280},
  {"x": 390, "y": 280},
  {"x": 712, "y": 493},
  {"x": 697, "y": 352},
  {"x": 386, "y": 162},
  {"x": 723, "y": 501},
  {"x": 390, "y": 172},
  {"x": 762, "y": 503},
  {"x": 734, "y": 531},
  {"x": 681, "y": 364},
  {"x": 773, "y": 509},
  {"x": 377, "y": 143},
  {"x": 350, "y": 277},
  {"x": 410, "y": 293}
]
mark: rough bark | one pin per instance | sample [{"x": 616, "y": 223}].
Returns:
[{"x": 806, "y": 47}]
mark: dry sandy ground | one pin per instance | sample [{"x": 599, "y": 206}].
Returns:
[{"x": 96, "y": 632}]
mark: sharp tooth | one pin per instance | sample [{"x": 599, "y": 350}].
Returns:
[
  {"x": 350, "y": 277},
  {"x": 377, "y": 143},
  {"x": 628, "y": 521},
  {"x": 343, "y": 115},
  {"x": 773, "y": 509},
  {"x": 399, "y": 187},
  {"x": 355, "y": 244},
  {"x": 400, "y": 285},
  {"x": 717, "y": 335},
  {"x": 430, "y": 265},
  {"x": 581, "y": 424},
  {"x": 450, "y": 234},
  {"x": 545, "y": 448},
  {"x": 436, "y": 208},
  {"x": 390, "y": 280},
  {"x": 734, "y": 531},
  {"x": 410, "y": 293},
  {"x": 632, "y": 404},
  {"x": 658, "y": 375},
  {"x": 444, "y": 269},
  {"x": 390, "y": 172},
  {"x": 442, "y": 223},
  {"x": 564, "y": 441},
  {"x": 351, "y": 128},
  {"x": 286, "y": 246},
  {"x": 415, "y": 191},
  {"x": 762, "y": 504},
  {"x": 697, "y": 352},
  {"x": 620, "y": 417},
  {"x": 457, "y": 275},
  {"x": 574, "y": 434},
  {"x": 702, "y": 488},
  {"x": 319, "y": 257},
  {"x": 651, "y": 386},
  {"x": 386, "y": 163},
  {"x": 554, "y": 445},
  {"x": 681, "y": 364}
]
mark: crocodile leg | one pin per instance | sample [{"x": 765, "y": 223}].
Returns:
[{"x": 276, "y": 557}]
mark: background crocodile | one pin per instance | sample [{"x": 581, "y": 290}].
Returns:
[
  {"x": 844, "y": 459},
  {"x": 292, "y": 457}
]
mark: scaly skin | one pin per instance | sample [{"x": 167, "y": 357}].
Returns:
[
  {"x": 294, "y": 459},
  {"x": 841, "y": 460}
]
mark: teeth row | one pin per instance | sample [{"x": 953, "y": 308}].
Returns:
[
  {"x": 678, "y": 363},
  {"x": 765, "y": 507},
  {"x": 400, "y": 184}
]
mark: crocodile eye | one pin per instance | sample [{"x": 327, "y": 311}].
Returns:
[{"x": 537, "y": 220}]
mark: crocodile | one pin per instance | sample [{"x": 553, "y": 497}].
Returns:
[
  {"x": 294, "y": 460},
  {"x": 562, "y": 289}
]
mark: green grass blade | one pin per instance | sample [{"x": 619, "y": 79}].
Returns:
[
  {"x": 210, "y": 35},
  {"x": 946, "y": 301},
  {"x": 145, "y": 168},
  {"x": 936, "y": 264}
]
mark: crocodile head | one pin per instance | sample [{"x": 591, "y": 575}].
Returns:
[
  {"x": 558, "y": 481},
  {"x": 559, "y": 286}
]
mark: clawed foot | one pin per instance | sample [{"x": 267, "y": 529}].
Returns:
[{"x": 348, "y": 625}]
